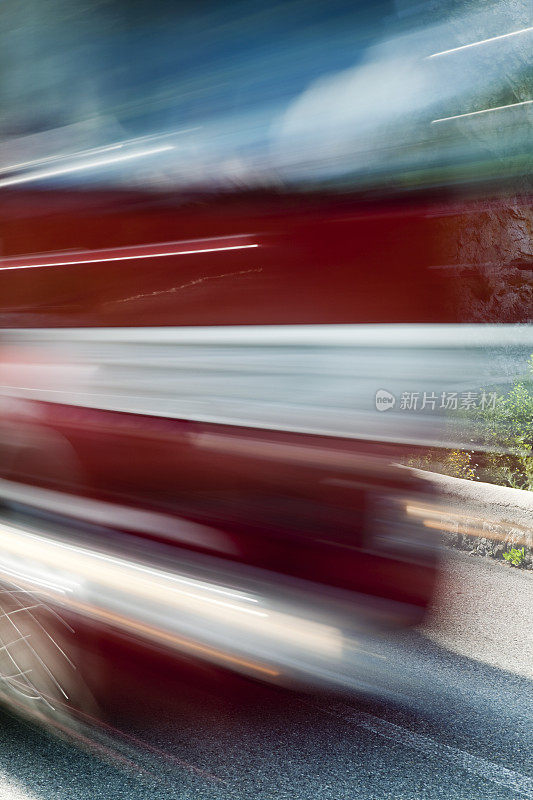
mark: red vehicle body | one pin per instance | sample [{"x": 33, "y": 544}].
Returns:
[
  {"x": 89, "y": 260},
  {"x": 293, "y": 498},
  {"x": 280, "y": 260}
]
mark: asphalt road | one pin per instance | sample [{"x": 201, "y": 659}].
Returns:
[{"x": 452, "y": 720}]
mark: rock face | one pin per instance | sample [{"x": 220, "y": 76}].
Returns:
[
  {"x": 493, "y": 261},
  {"x": 484, "y": 519}
]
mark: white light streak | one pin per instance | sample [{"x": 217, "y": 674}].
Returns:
[
  {"x": 31, "y": 579},
  {"x": 483, "y": 111},
  {"x": 482, "y": 41},
  {"x": 133, "y": 257},
  {"x": 110, "y": 581},
  {"x": 62, "y": 157},
  {"x": 94, "y": 150},
  {"x": 100, "y": 162}
]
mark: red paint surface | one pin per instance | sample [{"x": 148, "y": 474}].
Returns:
[{"x": 318, "y": 261}]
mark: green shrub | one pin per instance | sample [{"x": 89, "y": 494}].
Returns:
[
  {"x": 515, "y": 557},
  {"x": 507, "y": 433},
  {"x": 504, "y": 430}
]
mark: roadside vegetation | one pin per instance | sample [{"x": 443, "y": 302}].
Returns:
[
  {"x": 516, "y": 557},
  {"x": 504, "y": 456},
  {"x": 504, "y": 431}
]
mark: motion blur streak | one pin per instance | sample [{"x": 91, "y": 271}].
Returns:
[
  {"x": 292, "y": 92},
  {"x": 43, "y": 174},
  {"x": 471, "y": 530},
  {"x": 116, "y": 516},
  {"x": 444, "y": 519},
  {"x": 483, "y": 41},
  {"x": 133, "y": 257},
  {"x": 483, "y": 111},
  {"x": 93, "y": 151},
  {"x": 83, "y": 153},
  {"x": 317, "y": 379},
  {"x": 150, "y": 633},
  {"x": 182, "y": 607}
]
